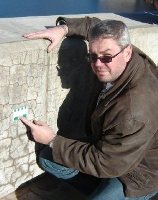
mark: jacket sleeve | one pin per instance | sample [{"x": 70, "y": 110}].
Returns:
[
  {"x": 120, "y": 149},
  {"x": 78, "y": 26}
]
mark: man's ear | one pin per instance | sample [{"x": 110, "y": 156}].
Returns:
[{"x": 128, "y": 53}]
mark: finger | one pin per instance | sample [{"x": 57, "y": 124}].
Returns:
[
  {"x": 36, "y": 35},
  {"x": 51, "y": 46},
  {"x": 39, "y": 123},
  {"x": 27, "y": 122},
  {"x": 30, "y": 34}
]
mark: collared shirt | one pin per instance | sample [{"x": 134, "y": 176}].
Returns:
[{"x": 106, "y": 87}]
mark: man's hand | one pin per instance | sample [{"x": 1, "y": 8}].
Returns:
[
  {"x": 41, "y": 132},
  {"x": 55, "y": 35}
]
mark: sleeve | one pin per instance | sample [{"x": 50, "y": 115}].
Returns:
[
  {"x": 78, "y": 26},
  {"x": 120, "y": 149}
]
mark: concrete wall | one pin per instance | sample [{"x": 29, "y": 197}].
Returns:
[{"x": 54, "y": 87}]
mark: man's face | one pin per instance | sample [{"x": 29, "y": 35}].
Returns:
[{"x": 109, "y": 72}]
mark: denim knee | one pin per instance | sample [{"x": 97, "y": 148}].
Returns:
[{"x": 47, "y": 163}]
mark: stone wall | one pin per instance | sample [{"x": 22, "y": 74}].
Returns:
[
  {"x": 55, "y": 87},
  {"x": 24, "y": 82}
]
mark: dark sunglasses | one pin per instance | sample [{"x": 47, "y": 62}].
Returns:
[{"x": 104, "y": 59}]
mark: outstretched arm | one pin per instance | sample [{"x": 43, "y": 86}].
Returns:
[{"x": 65, "y": 27}]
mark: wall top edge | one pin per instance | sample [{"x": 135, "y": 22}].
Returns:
[{"x": 12, "y": 29}]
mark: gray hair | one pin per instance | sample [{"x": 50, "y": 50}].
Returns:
[{"x": 114, "y": 29}]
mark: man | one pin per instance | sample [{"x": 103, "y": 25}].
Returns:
[{"x": 124, "y": 146}]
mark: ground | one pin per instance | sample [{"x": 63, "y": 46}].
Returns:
[{"x": 46, "y": 187}]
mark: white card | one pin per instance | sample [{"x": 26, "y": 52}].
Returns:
[{"x": 20, "y": 112}]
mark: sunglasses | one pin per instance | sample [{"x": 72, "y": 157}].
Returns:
[{"x": 104, "y": 59}]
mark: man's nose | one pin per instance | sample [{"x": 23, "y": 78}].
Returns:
[{"x": 98, "y": 63}]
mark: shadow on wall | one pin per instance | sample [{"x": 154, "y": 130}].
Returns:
[{"x": 75, "y": 73}]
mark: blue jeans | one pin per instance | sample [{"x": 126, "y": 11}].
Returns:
[
  {"x": 113, "y": 190},
  {"x": 107, "y": 189},
  {"x": 47, "y": 164}
]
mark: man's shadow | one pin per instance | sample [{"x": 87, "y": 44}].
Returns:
[{"x": 75, "y": 74}]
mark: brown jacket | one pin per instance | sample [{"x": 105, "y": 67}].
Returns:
[{"x": 124, "y": 127}]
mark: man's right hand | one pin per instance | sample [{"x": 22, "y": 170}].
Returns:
[{"x": 55, "y": 35}]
